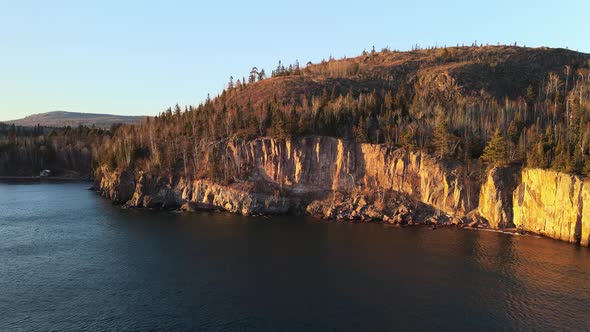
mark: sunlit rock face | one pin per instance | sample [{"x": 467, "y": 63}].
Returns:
[
  {"x": 585, "y": 227},
  {"x": 119, "y": 187},
  {"x": 553, "y": 204},
  {"x": 549, "y": 203},
  {"x": 317, "y": 164},
  {"x": 495, "y": 198},
  {"x": 306, "y": 174},
  {"x": 285, "y": 172}
]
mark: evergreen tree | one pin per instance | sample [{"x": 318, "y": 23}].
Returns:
[
  {"x": 496, "y": 152},
  {"x": 360, "y": 131},
  {"x": 408, "y": 138},
  {"x": 279, "y": 124},
  {"x": 513, "y": 133},
  {"x": 530, "y": 96},
  {"x": 253, "y": 75},
  {"x": 443, "y": 140},
  {"x": 296, "y": 68}
]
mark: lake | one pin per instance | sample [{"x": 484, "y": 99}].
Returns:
[{"x": 70, "y": 260}]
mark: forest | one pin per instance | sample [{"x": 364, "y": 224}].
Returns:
[
  {"x": 67, "y": 152},
  {"x": 494, "y": 104},
  {"x": 541, "y": 120}
]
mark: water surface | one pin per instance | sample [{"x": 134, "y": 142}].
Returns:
[{"x": 69, "y": 260}]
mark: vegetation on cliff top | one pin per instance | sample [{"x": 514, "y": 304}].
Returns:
[
  {"x": 450, "y": 101},
  {"x": 497, "y": 103}
]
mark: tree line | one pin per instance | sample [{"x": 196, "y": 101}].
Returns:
[
  {"x": 25, "y": 151},
  {"x": 545, "y": 126}
]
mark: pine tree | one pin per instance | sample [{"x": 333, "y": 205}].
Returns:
[
  {"x": 530, "y": 97},
  {"x": 408, "y": 138},
  {"x": 513, "y": 133},
  {"x": 442, "y": 140},
  {"x": 496, "y": 152},
  {"x": 253, "y": 75},
  {"x": 279, "y": 124},
  {"x": 296, "y": 68},
  {"x": 360, "y": 131},
  {"x": 561, "y": 155},
  {"x": 536, "y": 156}
]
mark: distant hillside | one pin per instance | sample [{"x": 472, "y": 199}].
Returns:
[{"x": 63, "y": 119}]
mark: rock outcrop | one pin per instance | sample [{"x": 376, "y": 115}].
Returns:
[
  {"x": 585, "y": 227},
  {"x": 495, "y": 197},
  {"x": 553, "y": 204},
  {"x": 119, "y": 187},
  {"x": 286, "y": 175},
  {"x": 548, "y": 203},
  {"x": 332, "y": 178},
  {"x": 236, "y": 200},
  {"x": 318, "y": 164},
  {"x": 391, "y": 207}
]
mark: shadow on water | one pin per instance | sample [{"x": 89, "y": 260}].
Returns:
[{"x": 71, "y": 260}]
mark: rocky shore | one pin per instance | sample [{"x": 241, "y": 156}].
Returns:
[{"x": 333, "y": 179}]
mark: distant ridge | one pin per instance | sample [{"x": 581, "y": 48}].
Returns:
[{"x": 74, "y": 119}]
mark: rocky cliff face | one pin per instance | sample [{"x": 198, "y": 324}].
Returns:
[
  {"x": 320, "y": 164},
  {"x": 119, "y": 187},
  {"x": 553, "y": 204},
  {"x": 331, "y": 178},
  {"x": 585, "y": 240},
  {"x": 544, "y": 202},
  {"x": 495, "y": 198},
  {"x": 289, "y": 174}
]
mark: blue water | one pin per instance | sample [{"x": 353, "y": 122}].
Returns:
[{"x": 69, "y": 260}]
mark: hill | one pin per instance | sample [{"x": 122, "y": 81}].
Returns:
[
  {"x": 73, "y": 119},
  {"x": 449, "y": 102},
  {"x": 525, "y": 105},
  {"x": 497, "y": 71},
  {"x": 451, "y": 128}
]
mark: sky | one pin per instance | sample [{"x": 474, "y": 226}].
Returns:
[{"x": 139, "y": 57}]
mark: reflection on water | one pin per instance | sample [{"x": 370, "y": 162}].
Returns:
[{"x": 71, "y": 260}]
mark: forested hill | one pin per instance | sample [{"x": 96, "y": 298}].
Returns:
[
  {"x": 497, "y": 103},
  {"x": 66, "y": 143},
  {"x": 73, "y": 119},
  {"x": 24, "y": 151},
  {"x": 479, "y": 72}
]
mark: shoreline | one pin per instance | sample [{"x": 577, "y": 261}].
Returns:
[
  {"x": 423, "y": 224},
  {"x": 42, "y": 179}
]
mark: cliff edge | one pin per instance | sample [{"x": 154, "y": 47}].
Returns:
[
  {"x": 282, "y": 176},
  {"x": 331, "y": 178}
]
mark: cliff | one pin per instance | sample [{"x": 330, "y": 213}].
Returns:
[
  {"x": 288, "y": 175},
  {"x": 495, "y": 198},
  {"x": 336, "y": 179},
  {"x": 543, "y": 202},
  {"x": 316, "y": 165},
  {"x": 553, "y": 204}
]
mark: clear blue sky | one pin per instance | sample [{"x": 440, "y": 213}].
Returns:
[{"x": 139, "y": 57}]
